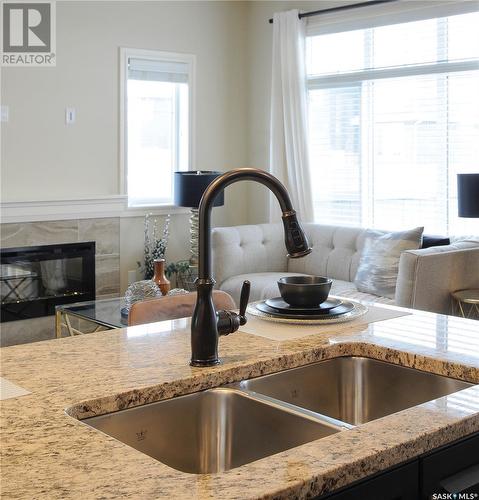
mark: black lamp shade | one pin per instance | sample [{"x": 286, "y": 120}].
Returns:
[
  {"x": 468, "y": 195},
  {"x": 190, "y": 186}
]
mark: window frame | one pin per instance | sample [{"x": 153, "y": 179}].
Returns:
[
  {"x": 190, "y": 59},
  {"x": 358, "y": 77}
]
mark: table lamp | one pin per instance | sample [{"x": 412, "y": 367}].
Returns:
[
  {"x": 189, "y": 188},
  {"x": 468, "y": 195}
]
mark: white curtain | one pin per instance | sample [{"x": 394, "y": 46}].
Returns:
[{"x": 288, "y": 142}]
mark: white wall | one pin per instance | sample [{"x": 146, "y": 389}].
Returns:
[{"x": 43, "y": 159}]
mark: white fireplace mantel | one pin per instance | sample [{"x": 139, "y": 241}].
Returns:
[{"x": 81, "y": 208}]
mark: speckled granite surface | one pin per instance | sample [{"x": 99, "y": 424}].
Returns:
[{"x": 47, "y": 453}]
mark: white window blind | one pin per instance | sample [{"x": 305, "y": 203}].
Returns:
[
  {"x": 155, "y": 70},
  {"x": 393, "y": 117},
  {"x": 157, "y": 123}
]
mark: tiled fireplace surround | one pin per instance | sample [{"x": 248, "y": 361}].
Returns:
[{"x": 105, "y": 232}]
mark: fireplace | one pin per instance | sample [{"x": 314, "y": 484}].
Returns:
[{"x": 33, "y": 280}]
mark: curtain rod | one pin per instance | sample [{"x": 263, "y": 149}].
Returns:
[{"x": 342, "y": 7}]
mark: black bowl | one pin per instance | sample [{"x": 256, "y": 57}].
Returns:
[{"x": 304, "y": 291}]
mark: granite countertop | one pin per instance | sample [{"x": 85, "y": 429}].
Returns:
[{"x": 47, "y": 453}]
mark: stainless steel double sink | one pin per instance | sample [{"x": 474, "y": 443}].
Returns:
[{"x": 220, "y": 429}]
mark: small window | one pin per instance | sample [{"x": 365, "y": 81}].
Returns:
[{"x": 157, "y": 117}]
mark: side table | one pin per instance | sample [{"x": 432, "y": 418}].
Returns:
[
  {"x": 100, "y": 314},
  {"x": 466, "y": 303}
]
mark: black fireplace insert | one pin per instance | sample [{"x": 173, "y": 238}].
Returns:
[{"x": 33, "y": 280}]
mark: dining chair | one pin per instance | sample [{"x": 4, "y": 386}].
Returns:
[{"x": 173, "y": 307}]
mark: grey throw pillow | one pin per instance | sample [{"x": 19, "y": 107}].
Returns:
[{"x": 378, "y": 266}]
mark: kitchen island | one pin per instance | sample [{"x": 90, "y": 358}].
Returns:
[{"x": 48, "y": 453}]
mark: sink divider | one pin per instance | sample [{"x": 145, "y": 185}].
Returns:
[{"x": 290, "y": 408}]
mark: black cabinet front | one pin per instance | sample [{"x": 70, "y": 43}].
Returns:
[
  {"x": 440, "y": 474},
  {"x": 451, "y": 469},
  {"x": 400, "y": 483}
]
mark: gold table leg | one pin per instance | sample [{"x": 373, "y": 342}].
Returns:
[
  {"x": 58, "y": 324},
  {"x": 62, "y": 320},
  {"x": 464, "y": 309}
]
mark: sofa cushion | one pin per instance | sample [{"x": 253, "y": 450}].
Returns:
[
  {"x": 264, "y": 286},
  {"x": 335, "y": 252},
  {"x": 241, "y": 249},
  {"x": 378, "y": 268},
  {"x": 353, "y": 294}
]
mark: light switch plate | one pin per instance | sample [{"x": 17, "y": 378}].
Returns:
[
  {"x": 4, "y": 112},
  {"x": 70, "y": 116}
]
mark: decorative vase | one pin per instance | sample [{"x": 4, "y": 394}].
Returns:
[{"x": 159, "y": 277}]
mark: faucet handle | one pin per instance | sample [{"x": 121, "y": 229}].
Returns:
[
  {"x": 244, "y": 299},
  {"x": 229, "y": 321}
]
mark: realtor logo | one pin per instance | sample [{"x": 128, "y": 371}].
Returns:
[{"x": 28, "y": 37}]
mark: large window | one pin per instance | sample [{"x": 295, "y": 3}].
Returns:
[
  {"x": 393, "y": 117},
  {"x": 157, "y": 123}
]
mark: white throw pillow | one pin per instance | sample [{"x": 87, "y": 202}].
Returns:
[{"x": 379, "y": 263}]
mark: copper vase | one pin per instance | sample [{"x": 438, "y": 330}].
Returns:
[{"x": 159, "y": 276}]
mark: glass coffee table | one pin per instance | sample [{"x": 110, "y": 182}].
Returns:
[{"x": 96, "y": 315}]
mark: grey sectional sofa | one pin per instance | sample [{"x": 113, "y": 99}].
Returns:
[{"x": 425, "y": 281}]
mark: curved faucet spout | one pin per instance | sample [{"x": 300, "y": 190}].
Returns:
[
  {"x": 206, "y": 323},
  {"x": 295, "y": 240}
]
